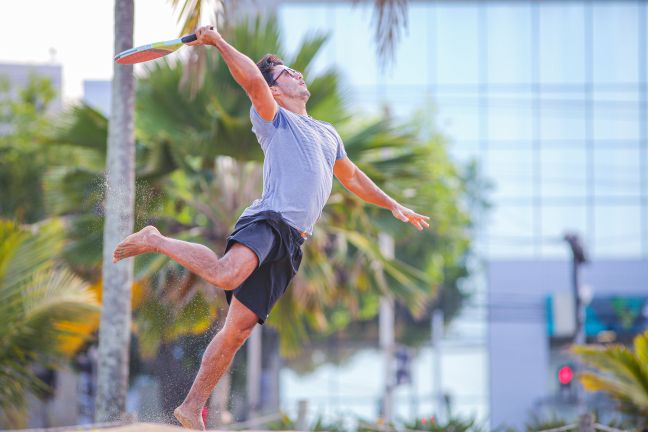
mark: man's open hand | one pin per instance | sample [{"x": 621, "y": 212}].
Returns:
[{"x": 407, "y": 215}]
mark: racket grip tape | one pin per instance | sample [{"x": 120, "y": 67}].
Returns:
[{"x": 192, "y": 37}]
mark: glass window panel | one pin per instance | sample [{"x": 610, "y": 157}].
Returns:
[
  {"x": 457, "y": 43},
  {"x": 562, "y": 43},
  {"x": 558, "y": 220},
  {"x": 616, "y": 115},
  {"x": 354, "y": 45},
  {"x": 465, "y": 151},
  {"x": 615, "y": 42},
  {"x": 563, "y": 172},
  {"x": 509, "y": 43},
  {"x": 458, "y": 115},
  {"x": 404, "y": 112},
  {"x": 617, "y": 171},
  {"x": 511, "y": 171},
  {"x": 364, "y": 100},
  {"x": 510, "y": 231},
  {"x": 562, "y": 116},
  {"x": 510, "y": 116},
  {"x": 412, "y": 99},
  {"x": 617, "y": 231},
  {"x": 412, "y": 57}
]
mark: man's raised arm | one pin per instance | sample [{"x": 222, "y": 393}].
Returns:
[
  {"x": 357, "y": 182},
  {"x": 244, "y": 71}
]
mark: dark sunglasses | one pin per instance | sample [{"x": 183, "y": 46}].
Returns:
[{"x": 292, "y": 72}]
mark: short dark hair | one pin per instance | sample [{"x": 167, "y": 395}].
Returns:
[{"x": 266, "y": 64}]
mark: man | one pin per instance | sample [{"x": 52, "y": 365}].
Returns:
[{"x": 264, "y": 251}]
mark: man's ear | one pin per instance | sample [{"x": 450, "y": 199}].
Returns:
[{"x": 275, "y": 91}]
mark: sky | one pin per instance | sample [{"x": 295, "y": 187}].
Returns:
[{"x": 77, "y": 34}]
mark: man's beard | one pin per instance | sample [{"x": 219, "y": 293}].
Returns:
[{"x": 298, "y": 93}]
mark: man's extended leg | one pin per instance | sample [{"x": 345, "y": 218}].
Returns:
[
  {"x": 227, "y": 272},
  {"x": 217, "y": 357}
]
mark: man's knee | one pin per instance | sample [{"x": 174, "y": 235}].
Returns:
[
  {"x": 236, "y": 335},
  {"x": 223, "y": 277},
  {"x": 234, "y": 267}
]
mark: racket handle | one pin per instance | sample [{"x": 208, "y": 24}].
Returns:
[
  {"x": 189, "y": 38},
  {"x": 192, "y": 37}
]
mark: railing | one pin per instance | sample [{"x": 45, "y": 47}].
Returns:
[{"x": 585, "y": 424}]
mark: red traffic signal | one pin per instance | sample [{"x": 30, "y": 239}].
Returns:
[{"x": 565, "y": 375}]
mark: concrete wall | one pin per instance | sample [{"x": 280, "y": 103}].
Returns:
[{"x": 98, "y": 94}]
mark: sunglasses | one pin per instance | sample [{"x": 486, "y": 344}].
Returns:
[{"x": 292, "y": 72}]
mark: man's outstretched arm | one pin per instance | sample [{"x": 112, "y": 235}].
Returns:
[
  {"x": 243, "y": 69},
  {"x": 357, "y": 182}
]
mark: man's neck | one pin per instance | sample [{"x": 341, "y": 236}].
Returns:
[{"x": 295, "y": 106}]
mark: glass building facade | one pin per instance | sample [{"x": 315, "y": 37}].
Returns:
[{"x": 549, "y": 97}]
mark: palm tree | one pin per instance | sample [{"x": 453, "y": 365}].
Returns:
[
  {"x": 41, "y": 304},
  {"x": 114, "y": 331},
  {"x": 621, "y": 373}
]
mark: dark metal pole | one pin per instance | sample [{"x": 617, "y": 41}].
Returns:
[{"x": 578, "y": 258}]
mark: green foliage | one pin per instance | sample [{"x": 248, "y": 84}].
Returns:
[
  {"x": 319, "y": 424},
  {"x": 282, "y": 424},
  {"x": 621, "y": 373},
  {"x": 23, "y": 121},
  {"x": 36, "y": 299},
  {"x": 537, "y": 423},
  {"x": 453, "y": 424}
]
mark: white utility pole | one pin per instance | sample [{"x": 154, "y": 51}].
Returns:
[
  {"x": 387, "y": 339},
  {"x": 254, "y": 351},
  {"x": 437, "y": 390}
]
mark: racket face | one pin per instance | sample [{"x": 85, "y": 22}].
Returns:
[
  {"x": 142, "y": 56},
  {"x": 148, "y": 52}
]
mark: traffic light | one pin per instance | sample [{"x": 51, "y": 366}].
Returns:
[{"x": 565, "y": 377}]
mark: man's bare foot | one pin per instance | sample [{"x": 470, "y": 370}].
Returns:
[
  {"x": 141, "y": 242},
  {"x": 188, "y": 419}
]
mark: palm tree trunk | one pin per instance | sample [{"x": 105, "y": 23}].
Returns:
[{"x": 114, "y": 331}]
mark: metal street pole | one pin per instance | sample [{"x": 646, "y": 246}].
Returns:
[{"x": 578, "y": 258}]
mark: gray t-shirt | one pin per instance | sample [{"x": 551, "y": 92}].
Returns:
[{"x": 298, "y": 166}]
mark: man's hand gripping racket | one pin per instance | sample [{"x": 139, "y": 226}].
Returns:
[{"x": 156, "y": 50}]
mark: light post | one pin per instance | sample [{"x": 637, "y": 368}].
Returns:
[{"x": 578, "y": 258}]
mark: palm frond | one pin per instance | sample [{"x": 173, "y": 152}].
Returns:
[
  {"x": 618, "y": 371},
  {"x": 37, "y": 298},
  {"x": 82, "y": 126},
  {"x": 389, "y": 20},
  {"x": 308, "y": 50},
  {"x": 24, "y": 253}
]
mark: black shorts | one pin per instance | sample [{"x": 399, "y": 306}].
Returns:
[{"x": 278, "y": 247}]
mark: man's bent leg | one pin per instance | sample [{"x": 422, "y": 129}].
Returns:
[
  {"x": 217, "y": 357},
  {"x": 227, "y": 272}
]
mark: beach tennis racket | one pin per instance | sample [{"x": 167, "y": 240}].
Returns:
[{"x": 152, "y": 51}]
